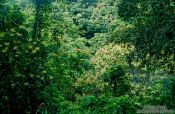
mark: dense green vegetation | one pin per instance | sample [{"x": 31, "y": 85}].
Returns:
[{"x": 86, "y": 56}]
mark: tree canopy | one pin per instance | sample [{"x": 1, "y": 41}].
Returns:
[{"x": 86, "y": 56}]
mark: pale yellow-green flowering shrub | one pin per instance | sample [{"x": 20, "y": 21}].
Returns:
[{"x": 105, "y": 57}]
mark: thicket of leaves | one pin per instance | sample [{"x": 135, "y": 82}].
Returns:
[{"x": 81, "y": 56}]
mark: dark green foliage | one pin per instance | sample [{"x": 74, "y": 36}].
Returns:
[
  {"x": 128, "y": 9},
  {"x": 22, "y": 71},
  {"x": 162, "y": 88},
  {"x": 82, "y": 12},
  {"x": 86, "y": 56},
  {"x": 117, "y": 79},
  {"x": 172, "y": 93},
  {"x": 153, "y": 36},
  {"x": 108, "y": 105},
  {"x": 22, "y": 66},
  {"x": 10, "y": 17}
]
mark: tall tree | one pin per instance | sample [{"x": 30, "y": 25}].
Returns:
[
  {"x": 152, "y": 32},
  {"x": 42, "y": 7}
]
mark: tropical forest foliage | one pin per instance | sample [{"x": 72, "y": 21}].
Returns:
[{"x": 86, "y": 56}]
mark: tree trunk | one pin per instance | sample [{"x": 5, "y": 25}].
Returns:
[{"x": 37, "y": 24}]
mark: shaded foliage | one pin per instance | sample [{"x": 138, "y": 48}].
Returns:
[{"x": 86, "y": 56}]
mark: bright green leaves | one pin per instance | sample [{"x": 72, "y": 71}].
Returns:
[{"x": 46, "y": 67}]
